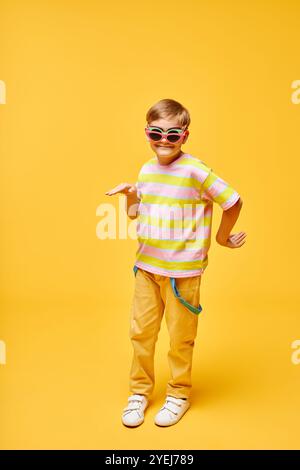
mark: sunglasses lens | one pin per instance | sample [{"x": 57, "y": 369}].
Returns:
[
  {"x": 155, "y": 136},
  {"x": 173, "y": 138}
]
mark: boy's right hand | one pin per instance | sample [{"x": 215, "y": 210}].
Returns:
[{"x": 124, "y": 188}]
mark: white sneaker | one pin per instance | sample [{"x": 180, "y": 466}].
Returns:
[
  {"x": 171, "y": 411},
  {"x": 133, "y": 414}
]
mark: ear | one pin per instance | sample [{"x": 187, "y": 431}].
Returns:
[{"x": 186, "y": 136}]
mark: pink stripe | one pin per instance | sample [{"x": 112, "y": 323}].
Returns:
[
  {"x": 217, "y": 187},
  {"x": 173, "y": 212},
  {"x": 171, "y": 255},
  {"x": 168, "y": 190},
  {"x": 169, "y": 273},
  {"x": 235, "y": 196}
]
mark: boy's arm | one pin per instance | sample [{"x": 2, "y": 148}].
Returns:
[
  {"x": 229, "y": 218},
  {"x": 132, "y": 199},
  {"x": 132, "y": 205}
]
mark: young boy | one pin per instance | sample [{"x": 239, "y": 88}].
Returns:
[{"x": 173, "y": 202}]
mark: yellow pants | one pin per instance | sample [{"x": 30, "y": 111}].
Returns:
[{"x": 153, "y": 296}]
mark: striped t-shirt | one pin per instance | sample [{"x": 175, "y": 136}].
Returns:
[{"x": 174, "y": 217}]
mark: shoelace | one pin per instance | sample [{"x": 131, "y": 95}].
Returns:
[{"x": 133, "y": 405}]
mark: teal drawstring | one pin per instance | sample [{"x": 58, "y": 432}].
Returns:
[
  {"x": 191, "y": 307},
  {"x": 135, "y": 268},
  {"x": 195, "y": 310}
]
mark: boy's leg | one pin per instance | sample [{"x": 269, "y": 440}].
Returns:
[
  {"x": 182, "y": 326},
  {"x": 146, "y": 314}
]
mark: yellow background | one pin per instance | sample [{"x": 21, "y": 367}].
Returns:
[{"x": 80, "y": 77}]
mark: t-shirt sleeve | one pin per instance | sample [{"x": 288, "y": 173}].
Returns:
[{"x": 218, "y": 190}]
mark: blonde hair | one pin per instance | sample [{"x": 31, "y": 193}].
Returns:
[{"x": 169, "y": 108}]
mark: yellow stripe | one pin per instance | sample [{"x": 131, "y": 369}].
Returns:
[
  {"x": 177, "y": 223},
  {"x": 225, "y": 195},
  {"x": 212, "y": 177}
]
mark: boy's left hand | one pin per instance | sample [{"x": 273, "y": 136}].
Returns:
[{"x": 235, "y": 240}]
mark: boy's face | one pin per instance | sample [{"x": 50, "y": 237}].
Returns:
[{"x": 166, "y": 151}]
